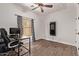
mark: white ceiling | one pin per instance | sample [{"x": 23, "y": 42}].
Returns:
[{"x": 56, "y": 7}]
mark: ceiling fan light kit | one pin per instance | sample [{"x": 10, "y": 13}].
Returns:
[{"x": 41, "y": 5}]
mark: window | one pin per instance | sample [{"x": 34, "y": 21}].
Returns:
[{"x": 27, "y": 29}]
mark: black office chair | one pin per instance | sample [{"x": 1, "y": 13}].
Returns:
[{"x": 9, "y": 45}]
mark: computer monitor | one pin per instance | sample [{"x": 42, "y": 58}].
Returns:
[{"x": 14, "y": 30}]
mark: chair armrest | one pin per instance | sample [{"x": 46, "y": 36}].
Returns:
[
  {"x": 12, "y": 39},
  {"x": 13, "y": 44}
]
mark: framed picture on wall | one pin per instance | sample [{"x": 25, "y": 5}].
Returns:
[{"x": 53, "y": 28}]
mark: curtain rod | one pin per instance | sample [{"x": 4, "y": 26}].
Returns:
[{"x": 21, "y": 16}]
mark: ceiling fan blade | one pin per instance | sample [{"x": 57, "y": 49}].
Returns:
[
  {"x": 35, "y": 8},
  {"x": 50, "y": 6},
  {"x": 39, "y": 4},
  {"x": 42, "y": 9}
]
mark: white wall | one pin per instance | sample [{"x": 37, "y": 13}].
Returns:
[
  {"x": 65, "y": 26},
  {"x": 7, "y": 15},
  {"x": 9, "y": 19},
  {"x": 77, "y": 23},
  {"x": 41, "y": 31}
]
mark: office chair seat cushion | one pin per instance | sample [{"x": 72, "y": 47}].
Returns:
[{"x": 13, "y": 44}]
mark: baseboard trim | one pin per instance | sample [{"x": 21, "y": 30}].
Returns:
[{"x": 62, "y": 42}]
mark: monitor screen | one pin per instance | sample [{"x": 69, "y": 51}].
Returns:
[{"x": 14, "y": 30}]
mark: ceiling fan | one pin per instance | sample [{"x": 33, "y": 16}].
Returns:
[{"x": 41, "y": 5}]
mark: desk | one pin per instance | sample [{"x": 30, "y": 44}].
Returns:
[{"x": 29, "y": 44}]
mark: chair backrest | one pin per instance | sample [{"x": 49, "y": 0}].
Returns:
[{"x": 4, "y": 36}]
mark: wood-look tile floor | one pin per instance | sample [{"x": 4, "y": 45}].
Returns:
[{"x": 48, "y": 48}]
